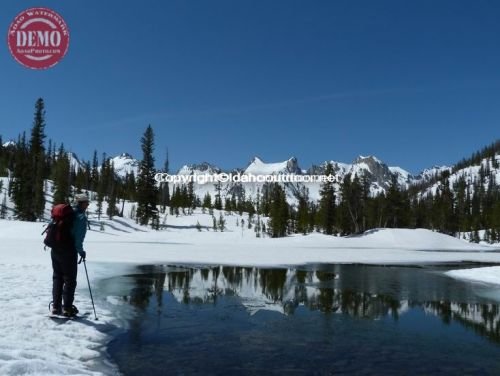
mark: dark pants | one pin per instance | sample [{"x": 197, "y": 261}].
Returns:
[{"x": 65, "y": 266}]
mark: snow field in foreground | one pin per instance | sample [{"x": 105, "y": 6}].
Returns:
[{"x": 33, "y": 344}]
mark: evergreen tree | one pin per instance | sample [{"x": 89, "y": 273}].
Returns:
[
  {"x": 496, "y": 222},
  {"x": 258, "y": 200},
  {"x": 82, "y": 179},
  {"x": 351, "y": 207},
  {"x": 94, "y": 174},
  {"x": 303, "y": 211},
  {"x": 3, "y": 208},
  {"x": 164, "y": 188},
  {"x": 30, "y": 170},
  {"x": 266, "y": 199},
  {"x": 461, "y": 212},
  {"x": 175, "y": 200},
  {"x": 207, "y": 201},
  {"x": 326, "y": 211},
  {"x": 21, "y": 191},
  {"x": 184, "y": 199},
  {"x": 366, "y": 214},
  {"x": 4, "y": 160},
  {"x": 130, "y": 186},
  {"x": 279, "y": 212},
  {"x": 228, "y": 207},
  {"x": 146, "y": 184},
  {"x": 445, "y": 203},
  {"x": 218, "y": 198},
  {"x": 222, "y": 223},
  {"x": 475, "y": 236},
  {"x": 495, "y": 162},
  {"x": 49, "y": 160},
  {"x": 313, "y": 214},
  {"x": 60, "y": 177},
  {"x": 397, "y": 206},
  {"x": 102, "y": 186},
  {"x": 191, "y": 197},
  {"x": 38, "y": 160},
  {"x": 235, "y": 204},
  {"x": 112, "y": 191},
  {"x": 257, "y": 227}
]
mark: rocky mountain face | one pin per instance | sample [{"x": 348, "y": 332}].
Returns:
[
  {"x": 378, "y": 174},
  {"x": 125, "y": 164},
  {"x": 200, "y": 169},
  {"x": 481, "y": 174}
]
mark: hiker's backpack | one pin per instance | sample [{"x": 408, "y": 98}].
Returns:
[{"x": 58, "y": 231}]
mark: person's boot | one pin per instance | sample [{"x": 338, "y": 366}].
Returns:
[{"x": 70, "y": 312}]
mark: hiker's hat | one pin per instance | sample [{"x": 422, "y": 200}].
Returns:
[{"x": 81, "y": 197}]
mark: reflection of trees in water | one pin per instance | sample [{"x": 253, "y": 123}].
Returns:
[
  {"x": 180, "y": 281},
  {"x": 289, "y": 289},
  {"x": 272, "y": 282},
  {"x": 180, "y": 284},
  {"x": 483, "y": 319},
  {"x": 158, "y": 285},
  {"x": 148, "y": 285}
]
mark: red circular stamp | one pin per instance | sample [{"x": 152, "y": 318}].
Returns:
[{"x": 38, "y": 38}]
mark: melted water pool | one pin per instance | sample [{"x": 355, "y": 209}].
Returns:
[{"x": 324, "y": 319}]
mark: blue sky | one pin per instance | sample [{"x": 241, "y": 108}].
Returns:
[{"x": 414, "y": 83}]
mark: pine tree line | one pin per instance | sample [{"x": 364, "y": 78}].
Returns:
[
  {"x": 453, "y": 207},
  {"x": 30, "y": 164}
]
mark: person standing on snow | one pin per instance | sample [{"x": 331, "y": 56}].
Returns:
[{"x": 65, "y": 262}]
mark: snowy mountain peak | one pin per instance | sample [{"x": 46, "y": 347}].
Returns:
[
  {"x": 74, "y": 162},
  {"x": 256, "y": 160},
  {"x": 125, "y": 164},
  {"x": 9, "y": 143},
  {"x": 430, "y": 173},
  {"x": 125, "y": 156},
  {"x": 258, "y": 167},
  {"x": 369, "y": 158},
  {"x": 200, "y": 168},
  {"x": 293, "y": 166},
  {"x": 470, "y": 174},
  {"x": 378, "y": 174},
  {"x": 403, "y": 177}
]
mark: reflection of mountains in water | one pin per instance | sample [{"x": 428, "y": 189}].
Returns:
[
  {"x": 484, "y": 319},
  {"x": 283, "y": 290}
]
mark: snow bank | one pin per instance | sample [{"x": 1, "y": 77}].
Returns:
[
  {"x": 417, "y": 239},
  {"x": 485, "y": 275},
  {"x": 33, "y": 344}
]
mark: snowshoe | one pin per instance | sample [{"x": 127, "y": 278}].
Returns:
[
  {"x": 70, "y": 312},
  {"x": 54, "y": 310}
]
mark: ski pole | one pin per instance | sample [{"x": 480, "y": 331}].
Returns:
[{"x": 87, "y": 274}]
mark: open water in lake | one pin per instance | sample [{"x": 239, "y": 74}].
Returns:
[{"x": 315, "y": 319}]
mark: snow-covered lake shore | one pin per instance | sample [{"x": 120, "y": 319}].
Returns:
[{"x": 32, "y": 344}]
